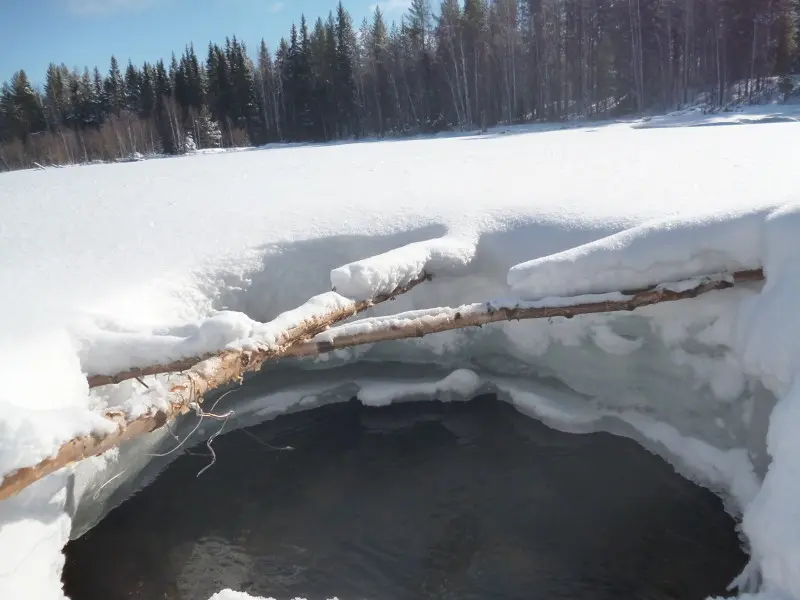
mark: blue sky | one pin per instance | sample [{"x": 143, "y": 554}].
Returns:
[{"x": 34, "y": 33}]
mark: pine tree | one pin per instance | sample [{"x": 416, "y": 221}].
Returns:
[
  {"x": 165, "y": 125},
  {"x": 99, "y": 104},
  {"x": 266, "y": 94},
  {"x": 219, "y": 84},
  {"x": 210, "y": 135},
  {"x": 330, "y": 69},
  {"x": 422, "y": 75},
  {"x": 189, "y": 145},
  {"x": 28, "y": 108},
  {"x": 114, "y": 88},
  {"x": 56, "y": 90},
  {"x": 302, "y": 85},
  {"x": 11, "y": 119},
  {"x": 283, "y": 83},
  {"x": 147, "y": 92},
  {"x": 378, "y": 56},
  {"x": 244, "y": 109},
  {"x": 345, "y": 72},
  {"x": 420, "y": 24},
  {"x": 320, "y": 82},
  {"x": 163, "y": 84},
  {"x": 132, "y": 89},
  {"x": 195, "y": 79}
]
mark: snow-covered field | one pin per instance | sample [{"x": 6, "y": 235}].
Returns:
[{"x": 110, "y": 266}]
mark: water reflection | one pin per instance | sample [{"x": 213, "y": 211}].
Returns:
[{"x": 425, "y": 500}]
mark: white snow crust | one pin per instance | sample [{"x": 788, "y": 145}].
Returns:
[
  {"x": 108, "y": 267},
  {"x": 229, "y": 594}
]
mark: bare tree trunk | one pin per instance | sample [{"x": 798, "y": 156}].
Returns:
[
  {"x": 419, "y": 323},
  {"x": 670, "y": 86},
  {"x": 276, "y": 106},
  {"x": 397, "y": 102},
  {"x": 687, "y": 58},
  {"x": 186, "y": 393},
  {"x": 637, "y": 53},
  {"x": 752, "y": 60},
  {"x": 467, "y": 103},
  {"x": 717, "y": 61},
  {"x": 454, "y": 93}
]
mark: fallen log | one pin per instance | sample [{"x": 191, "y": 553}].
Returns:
[
  {"x": 420, "y": 323},
  {"x": 308, "y": 339},
  {"x": 302, "y": 332},
  {"x": 204, "y": 375}
]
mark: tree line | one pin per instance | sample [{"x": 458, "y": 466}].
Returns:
[{"x": 468, "y": 64}]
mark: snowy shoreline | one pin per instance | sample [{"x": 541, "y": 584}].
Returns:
[{"x": 111, "y": 265}]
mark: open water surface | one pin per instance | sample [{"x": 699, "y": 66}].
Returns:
[{"x": 465, "y": 500}]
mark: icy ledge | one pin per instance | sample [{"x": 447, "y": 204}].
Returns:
[
  {"x": 681, "y": 378},
  {"x": 724, "y": 346},
  {"x": 766, "y": 343},
  {"x": 759, "y": 331}
]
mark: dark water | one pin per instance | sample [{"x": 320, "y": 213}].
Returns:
[{"x": 425, "y": 500}]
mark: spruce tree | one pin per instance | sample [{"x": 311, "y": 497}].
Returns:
[
  {"x": 283, "y": 82},
  {"x": 132, "y": 88},
  {"x": 10, "y": 119},
  {"x": 195, "y": 79},
  {"x": 56, "y": 95},
  {"x": 378, "y": 53},
  {"x": 330, "y": 75},
  {"x": 164, "y": 125},
  {"x": 29, "y": 112},
  {"x": 97, "y": 98},
  {"x": 420, "y": 23},
  {"x": 147, "y": 92},
  {"x": 114, "y": 88},
  {"x": 302, "y": 84},
  {"x": 264, "y": 85},
  {"x": 345, "y": 84}
]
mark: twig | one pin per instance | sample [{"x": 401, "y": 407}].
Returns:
[{"x": 209, "y": 441}]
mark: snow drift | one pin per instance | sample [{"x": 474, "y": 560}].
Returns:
[{"x": 113, "y": 266}]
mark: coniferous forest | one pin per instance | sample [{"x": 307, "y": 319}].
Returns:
[{"x": 464, "y": 64}]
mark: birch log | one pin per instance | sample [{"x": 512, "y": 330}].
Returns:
[
  {"x": 425, "y": 322},
  {"x": 304, "y": 331},
  {"x": 205, "y": 375}
]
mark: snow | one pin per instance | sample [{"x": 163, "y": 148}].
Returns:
[
  {"x": 108, "y": 267},
  {"x": 229, "y": 594},
  {"x": 107, "y": 352},
  {"x": 383, "y": 273},
  {"x": 657, "y": 251},
  {"x": 461, "y": 383}
]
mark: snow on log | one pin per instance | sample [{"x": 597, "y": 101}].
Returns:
[
  {"x": 308, "y": 339},
  {"x": 382, "y": 272},
  {"x": 206, "y": 375},
  {"x": 420, "y": 323},
  {"x": 294, "y": 326}
]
